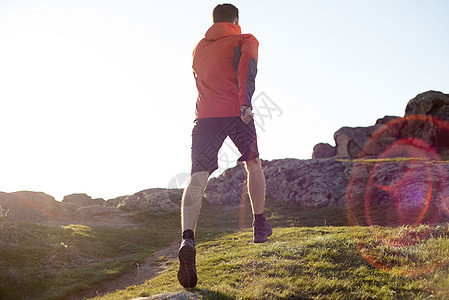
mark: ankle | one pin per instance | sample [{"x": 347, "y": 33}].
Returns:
[
  {"x": 259, "y": 220},
  {"x": 188, "y": 234}
]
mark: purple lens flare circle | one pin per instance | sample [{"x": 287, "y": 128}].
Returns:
[{"x": 406, "y": 185}]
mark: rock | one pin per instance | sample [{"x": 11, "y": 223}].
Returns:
[
  {"x": 97, "y": 210},
  {"x": 116, "y": 201},
  {"x": 152, "y": 199},
  {"x": 69, "y": 208},
  {"x": 350, "y": 141},
  {"x": 429, "y": 103},
  {"x": 357, "y": 142},
  {"x": 29, "y": 206},
  {"x": 434, "y": 132},
  {"x": 312, "y": 183},
  {"x": 386, "y": 119},
  {"x": 83, "y": 200},
  {"x": 396, "y": 193},
  {"x": 323, "y": 150},
  {"x": 331, "y": 182},
  {"x": 229, "y": 187}
]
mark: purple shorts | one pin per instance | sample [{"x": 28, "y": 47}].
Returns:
[{"x": 208, "y": 136}]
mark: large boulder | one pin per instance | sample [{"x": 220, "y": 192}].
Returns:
[
  {"x": 409, "y": 191},
  {"x": 434, "y": 129},
  {"x": 323, "y": 150},
  {"x": 357, "y": 142},
  {"x": 152, "y": 199},
  {"x": 29, "y": 206},
  {"x": 429, "y": 103},
  {"x": 81, "y": 200},
  {"x": 350, "y": 141},
  {"x": 311, "y": 183}
]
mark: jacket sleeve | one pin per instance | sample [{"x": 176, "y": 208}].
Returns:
[{"x": 247, "y": 69}]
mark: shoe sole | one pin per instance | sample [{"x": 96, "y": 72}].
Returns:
[{"x": 186, "y": 274}]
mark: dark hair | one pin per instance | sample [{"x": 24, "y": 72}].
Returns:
[{"x": 225, "y": 13}]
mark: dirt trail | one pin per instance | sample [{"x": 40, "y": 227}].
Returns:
[{"x": 146, "y": 270}]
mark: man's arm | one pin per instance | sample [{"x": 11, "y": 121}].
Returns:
[{"x": 247, "y": 69}]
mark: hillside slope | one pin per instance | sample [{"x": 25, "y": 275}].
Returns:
[{"x": 315, "y": 263}]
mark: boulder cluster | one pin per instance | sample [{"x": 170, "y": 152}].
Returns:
[
  {"x": 38, "y": 206},
  {"x": 425, "y": 120},
  {"x": 397, "y": 165}
]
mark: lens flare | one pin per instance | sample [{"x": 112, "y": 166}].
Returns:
[{"x": 405, "y": 186}]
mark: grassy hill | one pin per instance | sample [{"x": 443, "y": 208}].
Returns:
[
  {"x": 304, "y": 263},
  {"x": 312, "y": 254}
]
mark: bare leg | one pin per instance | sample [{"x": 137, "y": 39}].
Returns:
[
  {"x": 256, "y": 185},
  {"x": 192, "y": 200}
]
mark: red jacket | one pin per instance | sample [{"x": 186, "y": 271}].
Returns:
[{"x": 225, "y": 68}]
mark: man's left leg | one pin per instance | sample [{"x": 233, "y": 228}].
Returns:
[{"x": 256, "y": 190}]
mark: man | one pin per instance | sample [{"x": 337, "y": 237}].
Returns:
[{"x": 225, "y": 67}]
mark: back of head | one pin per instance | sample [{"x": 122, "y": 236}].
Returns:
[{"x": 225, "y": 13}]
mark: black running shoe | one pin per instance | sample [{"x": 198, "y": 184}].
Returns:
[
  {"x": 261, "y": 233},
  {"x": 187, "y": 270}
]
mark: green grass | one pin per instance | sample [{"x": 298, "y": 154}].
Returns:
[
  {"x": 311, "y": 263},
  {"x": 312, "y": 254},
  {"x": 49, "y": 262}
]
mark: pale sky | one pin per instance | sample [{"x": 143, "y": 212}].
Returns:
[{"x": 98, "y": 97}]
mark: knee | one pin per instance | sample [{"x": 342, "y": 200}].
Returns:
[
  {"x": 199, "y": 179},
  {"x": 253, "y": 163}
]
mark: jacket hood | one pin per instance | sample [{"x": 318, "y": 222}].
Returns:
[{"x": 219, "y": 30}]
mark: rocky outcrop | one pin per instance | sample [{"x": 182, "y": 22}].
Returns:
[
  {"x": 324, "y": 150},
  {"x": 72, "y": 203},
  {"x": 327, "y": 179},
  {"x": 37, "y": 206},
  {"x": 26, "y": 205},
  {"x": 311, "y": 183},
  {"x": 96, "y": 211},
  {"x": 430, "y": 103},
  {"x": 229, "y": 187},
  {"x": 357, "y": 142},
  {"x": 408, "y": 190},
  {"x": 152, "y": 199},
  {"x": 82, "y": 200},
  {"x": 397, "y": 192},
  {"x": 433, "y": 130},
  {"x": 351, "y": 142}
]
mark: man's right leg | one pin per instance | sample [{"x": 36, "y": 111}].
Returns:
[
  {"x": 192, "y": 200},
  {"x": 190, "y": 211},
  {"x": 208, "y": 136}
]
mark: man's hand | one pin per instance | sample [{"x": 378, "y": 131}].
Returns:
[{"x": 246, "y": 114}]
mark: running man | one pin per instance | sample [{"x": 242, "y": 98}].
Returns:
[{"x": 225, "y": 67}]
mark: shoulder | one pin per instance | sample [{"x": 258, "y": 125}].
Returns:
[
  {"x": 249, "y": 38},
  {"x": 200, "y": 45}
]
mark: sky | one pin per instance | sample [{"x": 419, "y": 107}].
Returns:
[{"x": 98, "y": 96}]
